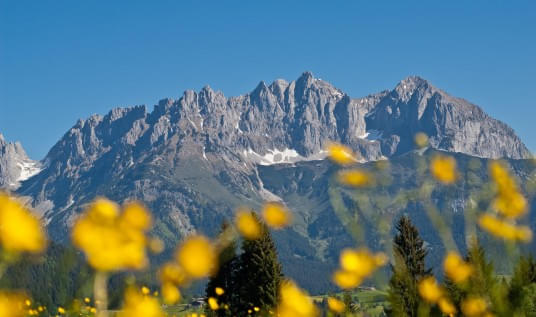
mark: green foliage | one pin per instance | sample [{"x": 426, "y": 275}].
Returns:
[
  {"x": 58, "y": 276},
  {"x": 226, "y": 279},
  {"x": 259, "y": 273},
  {"x": 408, "y": 269}
]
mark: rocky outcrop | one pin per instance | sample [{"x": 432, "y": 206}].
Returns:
[{"x": 15, "y": 165}]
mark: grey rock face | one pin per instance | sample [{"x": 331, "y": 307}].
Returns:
[
  {"x": 193, "y": 160},
  {"x": 15, "y": 166},
  {"x": 227, "y": 138},
  {"x": 453, "y": 124}
]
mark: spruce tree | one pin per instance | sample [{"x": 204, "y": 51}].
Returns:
[
  {"x": 408, "y": 270},
  {"x": 259, "y": 274},
  {"x": 225, "y": 279},
  {"x": 524, "y": 275}
]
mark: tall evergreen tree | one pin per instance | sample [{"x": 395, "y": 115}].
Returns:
[
  {"x": 408, "y": 269},
  {"x": 259, "y": 274},
  {"x": 524, "y": 275},
  {"x": 224, "y": 279}
]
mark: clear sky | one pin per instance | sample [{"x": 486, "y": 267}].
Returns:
[{"x": 64, "y": 60}]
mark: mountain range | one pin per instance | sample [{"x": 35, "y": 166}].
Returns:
[{"x": 195, "y": 159}]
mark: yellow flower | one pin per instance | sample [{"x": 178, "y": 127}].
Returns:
[
  {"x": 509, "y": 201},
  {"x": 505, "y": 230},
  {"x": 197, "y": 256},
  {"x": 247, "y": 224},
  {"x": 136, "y": 216},
  {"x": 361, "y": 262},
  {"x": 20, "y": 231},
  {"x": 357, "y": 265},
  {"x": 256, "y": 309},
  {"x": 443, "y": 168},
  {"x": 219, "y": 291},
  {"x": 87, "y": 300},
  {"x": 341, "y": 154},
  {"x": 145, "y": 290},
  {"x": 336, "y": 305},
  {"x": 346, "y": 280},
  {"x": 456, "y": 268},
  {"x": 170, "y": 293},
  {"x": 355, "y": 177},
  {"x": 421, "y": 139},
  {"x": 446, "y": 306},
  {"x": 61, "y": 310},
  {"x": 172, "y": 273},
  {"x": 430, "y": 290},
  {"x": 474, "y": 306},
  {"x": 276, "y": 215},
  {"x": 213, "y": 303},
  {"x": 11, "y": 305},
  {"x": 137, "y": 304},
  {"x": 295, "y": 302},
  {"x": 112, "y": 240}
]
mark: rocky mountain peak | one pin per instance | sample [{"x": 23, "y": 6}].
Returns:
[{"x": 15, "y": 165}]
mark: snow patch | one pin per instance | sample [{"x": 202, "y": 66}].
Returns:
[
  {"x": 286, "y": 156},
  {"x": 371, "y": 135},
  {"x": 28, "y": 169}
]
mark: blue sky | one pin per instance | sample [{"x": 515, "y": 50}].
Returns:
[{"x": 64, "y": 60}]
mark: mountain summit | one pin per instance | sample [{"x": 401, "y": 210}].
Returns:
[{"x": 195, "y": 159}]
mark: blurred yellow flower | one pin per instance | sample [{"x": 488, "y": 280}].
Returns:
[
  {"x": 336, "y": 305},
  {"x": 505, "y": 230},
  {"x": 346, "y": 279},
  {"x": 87, "y": 300},
  {"x": 509, "y": 200},
  {"x": 170, "y": 293},
  {"x": 443, "y": 169},
  {"x": 430, "y": 290},
  {"x": 213, "y": 303},
  {"x": 446, "y": 306},
  {"x": 20, "y": 230},
  {"x": 136, "y": 304},
  {"x": 361, "y": 262},
  {"x": 145, "y": 290},
  {"x": 456, "y": 268},
  {"x": 341, "y": 154},
  {"x": 112, "y": 240},
  {"x": 474, "y": 306},
  {"x": 276, "y": 215},
  {"x": 156, "y": 245},
  {"x": 61, "y": 310},
  {"x": 197, "y": 256},
  {"x": 294, "y": 302},
  {"x": 421, "y": 139},
  {"x": 355, "y": 177},
  {"x": 11, "y": 305},
  {"x": 219, "y": 291},
  {"x": 171, "y": 272},
  {"x": 247, "y": 224},
  {"x": 356, "y": 265}
]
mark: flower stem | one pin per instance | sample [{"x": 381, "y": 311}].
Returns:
[{"x": 100, "y": 290}]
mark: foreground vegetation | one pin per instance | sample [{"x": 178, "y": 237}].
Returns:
[{"x": 108, "y": 264}]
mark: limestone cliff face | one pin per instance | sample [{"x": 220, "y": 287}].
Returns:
[
  {"x": 15, "y": 165},
  {"x": 453, "y": 124},
  {"x": 194, "y": 159}
]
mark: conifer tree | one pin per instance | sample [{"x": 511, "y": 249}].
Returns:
[
  {"x": 224, "y": 279},
  {"x": 524, "y": 275},
  {"x": 259, "y": 274},
  {"x": 408, "y": 270}
]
